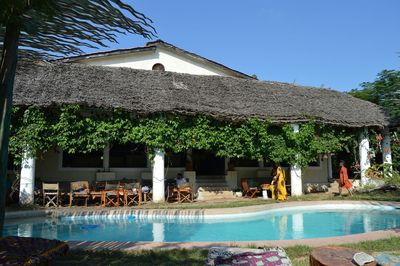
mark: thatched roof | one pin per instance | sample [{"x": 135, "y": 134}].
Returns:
[{"x": 149, "y": 92}]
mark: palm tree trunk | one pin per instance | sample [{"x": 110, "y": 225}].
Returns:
[{"x": 8, "y": 65}]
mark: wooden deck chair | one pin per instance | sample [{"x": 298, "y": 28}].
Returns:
[
  {"x": 51, "y": 194},
  {"x": 96, "y": 191},
  {"x": 185, "y": 194},
  {"x": 79, "y": 191},
  {"x": 132, "y": 194},
  {"x": 249, "y": 191},
  {"x": 110, "y": 196},
  {"x": 172, "y": 193}
]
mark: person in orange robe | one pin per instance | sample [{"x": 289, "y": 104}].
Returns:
[{"x": 344, "y": 179}]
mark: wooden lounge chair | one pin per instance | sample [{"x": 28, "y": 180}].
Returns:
[
  {"x": 79, "y": 191},
  {"x": 132, "y": 194},
  {"x": 51, "y": 194},
  {"x": 185, "y": 194},
  {"x": 249, "y": 191},
  {"x": 147, "y": 192},
  {"x": 179, "y": 194},
  {"x": 110, "y": 197},
  {"x": 172, "y": 193},
  {"x": 96, "y": 191}
]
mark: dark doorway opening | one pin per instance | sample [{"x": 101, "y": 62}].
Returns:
[{"x": 206, "y": 163}]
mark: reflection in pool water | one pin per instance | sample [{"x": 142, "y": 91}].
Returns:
[{"x": 289, "y": 223}]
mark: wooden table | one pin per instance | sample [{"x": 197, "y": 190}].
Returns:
[{"x": 334, "y": 256}]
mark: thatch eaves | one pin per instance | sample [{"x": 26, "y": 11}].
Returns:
[{"x": 151, "y": 92}]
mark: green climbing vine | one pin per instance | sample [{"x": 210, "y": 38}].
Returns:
[{"x": 76, "y": 129}]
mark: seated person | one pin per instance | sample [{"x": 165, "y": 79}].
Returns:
[{"x": 181, "y": 181}]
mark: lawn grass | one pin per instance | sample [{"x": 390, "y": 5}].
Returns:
[
  {"x": 244, "y": 202},
  {"x": 298, "y": 254},
  {"x": 174, "y": 257}
]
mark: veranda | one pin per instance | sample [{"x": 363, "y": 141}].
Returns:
[{"x": 205, "y": 123}]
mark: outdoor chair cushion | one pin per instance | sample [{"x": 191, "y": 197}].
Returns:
[
  {"x": 245, "y": 256},
  {"x": 146, "y": 189},
  {"x": 112, "y": 193},
  {"x": 184, "y": 185},
  {"x": 133, "y": 191},
  {"x": 132, "y": 186},
  {"x": 81, "y": 193}
]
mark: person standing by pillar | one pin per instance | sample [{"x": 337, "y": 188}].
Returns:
[{"x": 344, "y": 179}]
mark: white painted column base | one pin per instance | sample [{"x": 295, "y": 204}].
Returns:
[
  {"x": 365, "y": 163},
  {"x": 296, "y": 181},
  {"x": 158, "y": 177},
  {"x": 295, "y": 173},
  {"x": 27, "y": 181}
]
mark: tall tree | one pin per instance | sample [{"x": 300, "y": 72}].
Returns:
[
  {"x": 50, "y": 28},
  {"x": 385, "y": 91}
]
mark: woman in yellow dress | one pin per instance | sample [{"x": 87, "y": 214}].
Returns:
[{"x": 278, "y": 186}]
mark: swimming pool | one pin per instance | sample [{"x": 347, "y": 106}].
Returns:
[{"x": 285, "y": 223}]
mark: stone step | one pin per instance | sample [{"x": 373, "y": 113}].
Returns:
[
  {"x": 210, "y": 195},
  {"x": 214, "y": 189}
]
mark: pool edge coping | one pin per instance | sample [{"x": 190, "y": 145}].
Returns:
[
  {"x": 97, "y": 210},
  {"x": 312, "y": 242}
]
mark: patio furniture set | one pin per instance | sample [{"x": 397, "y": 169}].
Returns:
[{"x": 106, "y": 193}]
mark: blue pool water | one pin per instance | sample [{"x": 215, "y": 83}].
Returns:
[{"x": 286, "y": 223}]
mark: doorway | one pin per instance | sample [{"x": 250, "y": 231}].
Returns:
[{"x": 206, "y": 163}]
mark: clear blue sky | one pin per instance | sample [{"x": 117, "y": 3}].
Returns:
[{"x": 334, "y": 43}]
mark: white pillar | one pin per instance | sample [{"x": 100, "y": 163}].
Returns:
[
  {"x": 27, "y": 180},
  {"x": 386, "y": 150},
  {"x": 158, "y": 232},
  {"x": 106, "y": 158},
  {"x": 365, "y": 163},
  {"x": 158, "y": 177},
  {"x": 295, "y": 173},
  {"x": 330, "y": 175}
]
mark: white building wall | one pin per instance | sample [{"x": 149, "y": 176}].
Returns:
[
  {"x": 49, "y": 168},
  {"x": 316, "y": 174},
  {"x": 146, "y": 60}
]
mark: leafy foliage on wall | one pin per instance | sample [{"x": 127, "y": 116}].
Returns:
[{"x": 76, "y": 129}]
